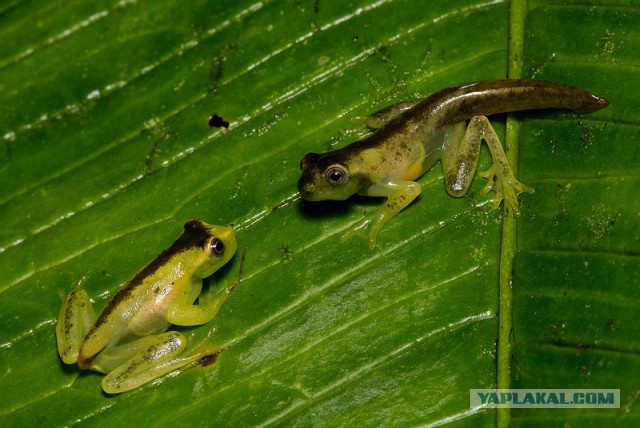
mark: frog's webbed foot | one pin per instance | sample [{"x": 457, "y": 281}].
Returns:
[
  {"x": 505, "y": 185},
  {"x": 354, "y": 230},
  {"x": 399, "y": 194},
  {"x": 374, "y": 221},
  {"x": 461, "y": 159}
]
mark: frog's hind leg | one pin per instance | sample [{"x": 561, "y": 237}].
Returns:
[
  {"x": 460, "y": 160},
  {"x": 136, "y": 363},
  {"x": 74, "y": 322}
]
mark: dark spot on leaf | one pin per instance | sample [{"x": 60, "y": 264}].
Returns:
[
  {"x": 216, "y": 121},
  {"x": 208, "y": 360}
]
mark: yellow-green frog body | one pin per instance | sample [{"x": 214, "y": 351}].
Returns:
[
  {"x": 128, "y": 340},
  {"x": 413, "y": 136}
]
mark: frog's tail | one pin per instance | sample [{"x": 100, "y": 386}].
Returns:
[{"x": 502, "y": 96}]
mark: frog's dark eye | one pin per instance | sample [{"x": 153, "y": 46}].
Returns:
[
  {"x": 216, "y": 248},
  {"x": 336, "y": 175}
]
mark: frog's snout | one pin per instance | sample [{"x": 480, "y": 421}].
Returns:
[
  {"x": 226, "y": 233},
  {"x": 306, "y": 188},
  {"x": 307, "y": 185}
]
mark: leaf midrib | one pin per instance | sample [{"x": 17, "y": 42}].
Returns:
[{"x": 517, "y": 15}]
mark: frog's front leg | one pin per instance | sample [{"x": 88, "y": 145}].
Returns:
[
  {"x": 183, "y": 312},
  {"x": 138, "y": 362},
  {"x": 460, "y": 159},
  {"x": 399, "y": 194}
]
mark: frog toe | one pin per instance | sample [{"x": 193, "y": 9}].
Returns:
[
  {"x": 370, "y": 221},
  {"x": 354, "y": 230},
  {"x": 506, "y": 187},
  {"x": 492, "y": 180}
]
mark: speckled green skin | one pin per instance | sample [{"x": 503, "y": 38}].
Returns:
[
  {"x": 415, "y": 135},
  {"x": 128, "y": 340}
]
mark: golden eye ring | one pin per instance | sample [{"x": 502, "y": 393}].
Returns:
[
  {"x": 336, "y": 175},
  {"x": 216, "y": 248}
]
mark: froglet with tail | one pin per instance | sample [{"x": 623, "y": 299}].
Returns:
[
  {"x": 449, "y": 126},
  {"x": 129, "y": 339}
]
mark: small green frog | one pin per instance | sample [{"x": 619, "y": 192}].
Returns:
[
  {"x": 448, "y": 126},
  {"x": 129, "y": 339}
]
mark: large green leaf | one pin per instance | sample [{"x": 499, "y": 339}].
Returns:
[{"x": 106, "y": 152}]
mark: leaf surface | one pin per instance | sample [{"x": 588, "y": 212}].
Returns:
[{"x": 106, "y": 151}]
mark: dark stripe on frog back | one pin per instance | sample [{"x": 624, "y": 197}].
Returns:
[
  {"x": 389, "y": 133},
  {"x": 462, "y": 102},
  {"x": 379, "y": 139},
  {"x": 195, "y": 235}
]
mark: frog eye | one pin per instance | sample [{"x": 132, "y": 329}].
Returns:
[
  {"x": 336, "y": 175},
  {"x": 216, "y": 248}
]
